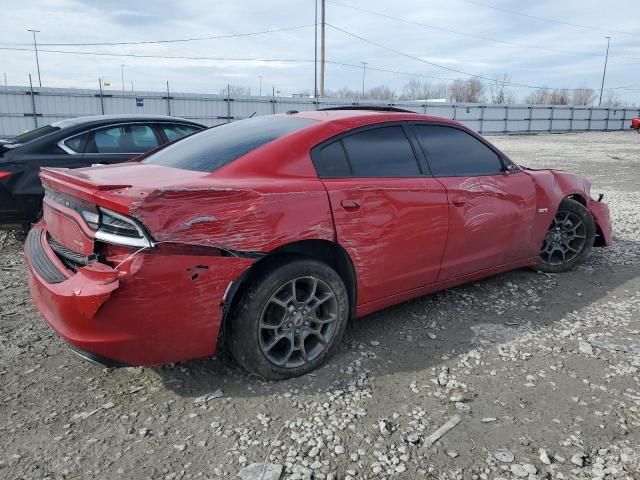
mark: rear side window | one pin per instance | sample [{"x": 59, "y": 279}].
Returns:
[
  {"x": 381, "y": 152},
  {"x": 331, "y": 161},
  {"x": 453, "y": 153},
  {"x": 174, "y": 132},
  {"x": 76, "y": 143},
  {"x": 123, "y": 139},
  {"x": 211, "y": 149}
]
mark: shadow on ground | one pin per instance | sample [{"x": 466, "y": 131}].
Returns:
[{"x": 402, "y": 330}]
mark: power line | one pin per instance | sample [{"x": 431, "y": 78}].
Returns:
[
  {"x": 462, "y": 72},
  {"x": 546, "y": 19},
  {"x": 174, "y": 57},
  {"x": 288, "y": 60},
  {"x": 470, "y": 35},
  {"x": 177, "y": 40}
]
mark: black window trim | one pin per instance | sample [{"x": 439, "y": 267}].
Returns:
[
  {"x": 415, "y": 147},
  {"x": 508, "y": 167},
  {"x": 163, "y": 135},
  {"x": 153, "y": 124}
]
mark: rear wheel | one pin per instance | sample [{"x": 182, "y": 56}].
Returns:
[
  {"x": 290, "y": 320},
  {"x": 569, "y": 238}
]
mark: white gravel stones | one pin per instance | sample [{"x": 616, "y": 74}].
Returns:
[
  {"x": 503, "y": 455},
  {"x": 544, "y": 457},
  {"x": 585, "y": 347},
  {"x": 261, "y": 471}
]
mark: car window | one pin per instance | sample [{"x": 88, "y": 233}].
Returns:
[
  {"x": 381, "y": 152},
  {"x": 452, "y": 152},
  {"x": 122, "y": 139},
  {"x": 211, "y": 149},
  {"x": 34, "y": 134},
  {"x": 76, "y": 144},
  {"x": 174, "y": 132},
  {"x": 331, "y": 161}
]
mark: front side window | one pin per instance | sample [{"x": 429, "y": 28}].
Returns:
[
  {"x": 452, "y": 152},
  {"x": 211, "y": 149},
  {"x": 122, "y": 139},
  {"x": 381, "y": 152}
]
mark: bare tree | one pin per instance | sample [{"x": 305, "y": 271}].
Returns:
[
  {"x": 583, "y": 96},
  {"x": 540, "y": 96},
  {"x": 235, "y": 91},
  {"x": 559, "y": 96},
  {"x": 416, "y": 90},
  {"x": 611, "y": 99},
  {"x": 468, "y": 91},
  {"x": 381, "y": 92},
  {"x": 499, "y": 92}
]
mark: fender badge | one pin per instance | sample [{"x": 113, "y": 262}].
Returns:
[{"x": 543, "y": 210}]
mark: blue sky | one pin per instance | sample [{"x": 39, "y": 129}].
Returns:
[{"x": 68, "y": 21}]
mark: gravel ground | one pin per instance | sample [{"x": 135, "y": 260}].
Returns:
[{"x": 536, "y": 374}]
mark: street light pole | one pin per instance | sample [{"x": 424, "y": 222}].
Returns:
[
  {"x": 364, "y": 71},
  {"x": 322, "y": 30},
  {"x": 35, "y": 46},
  {"x": 260, "y": 90},
  {"x": 604, "y": 72},
  {"x": 122, "y": 72},
  {"x": 315, "y": 56}
]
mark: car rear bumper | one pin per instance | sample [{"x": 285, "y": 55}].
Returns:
[{"x": 154, "y": 309}]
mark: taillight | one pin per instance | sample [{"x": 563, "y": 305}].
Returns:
[
  {"x": 4, "y": 175},
  {"x": 121, "y": 230},
  {"x": 88, "y": 211}
]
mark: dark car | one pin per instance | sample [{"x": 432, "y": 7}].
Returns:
[{"x": 74, "y": 143}]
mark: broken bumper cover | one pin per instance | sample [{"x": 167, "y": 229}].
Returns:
[
  {"x": 154, "y": 310},
  {"x": 600, "y": 212}
]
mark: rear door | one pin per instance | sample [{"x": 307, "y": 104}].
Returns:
[
  {"x": 491, "y": 201},
  {"x": 390, "y": 214}
]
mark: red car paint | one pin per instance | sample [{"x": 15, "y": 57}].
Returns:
[
  {"x": 405, "y": 237},
  {"x": 635, "y": 124}
]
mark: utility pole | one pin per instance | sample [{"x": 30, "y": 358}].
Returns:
[
  {"x": 604, "y": 72},
  {"x": 122, "y": 72},
  {"x": 35, "y": 47},
  {"x": 364, "y": 71},
  {"x": 260, "y": 90},
  {"x": 322, "y": 25},
  {"x": 315, "y": 56},
  {"x": 5, "y": 79}
]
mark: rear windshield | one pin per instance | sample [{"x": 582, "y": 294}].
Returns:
[
  {"x": 211, "y": 149},
  {"x": 33, "y": 134}
]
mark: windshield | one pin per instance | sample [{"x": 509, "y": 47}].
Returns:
[
  {"x": 211, "y": 149},
  {"x": 33, "y": 134}
]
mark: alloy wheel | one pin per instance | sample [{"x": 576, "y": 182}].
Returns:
[
  {"x": 298, "y": 322},
  {"x": 565, "y": 239}
]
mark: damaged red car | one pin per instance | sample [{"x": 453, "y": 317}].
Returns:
[{"x": 269, "y": 234}]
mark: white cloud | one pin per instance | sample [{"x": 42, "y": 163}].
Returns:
[{"x": 120, "y": 20}]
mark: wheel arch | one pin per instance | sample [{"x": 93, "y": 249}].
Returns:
[{"x": 325, "y": 251}]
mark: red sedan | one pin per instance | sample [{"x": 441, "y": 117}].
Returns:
[{"x": 270, "y": 234}]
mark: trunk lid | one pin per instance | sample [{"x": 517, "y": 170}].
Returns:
[{"x": 73, "y": 195}]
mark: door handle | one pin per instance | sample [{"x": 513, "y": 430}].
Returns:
[
  {"x": 350, "y": 205},
  {"x": 459, "y": 201}
]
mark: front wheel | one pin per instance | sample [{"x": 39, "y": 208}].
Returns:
[
  {"x": 569, "y": 238},
  {"x": 290, "y": 319}
]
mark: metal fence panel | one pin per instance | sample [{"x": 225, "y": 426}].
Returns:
[{"x": 21, "y": 111}]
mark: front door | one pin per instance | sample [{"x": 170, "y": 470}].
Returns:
[{"x": 491, "y": 203}]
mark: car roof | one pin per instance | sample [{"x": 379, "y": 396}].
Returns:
[
  {"x": 364, "y": 115},
  {"x": 99, "y": 119}
]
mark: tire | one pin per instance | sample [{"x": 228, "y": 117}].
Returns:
[
  {"x": 569, "y": 238},
  {"x": 271, "y": 328}
]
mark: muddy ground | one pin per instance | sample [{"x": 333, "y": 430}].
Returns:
[{"x": 542, "y": 371}]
